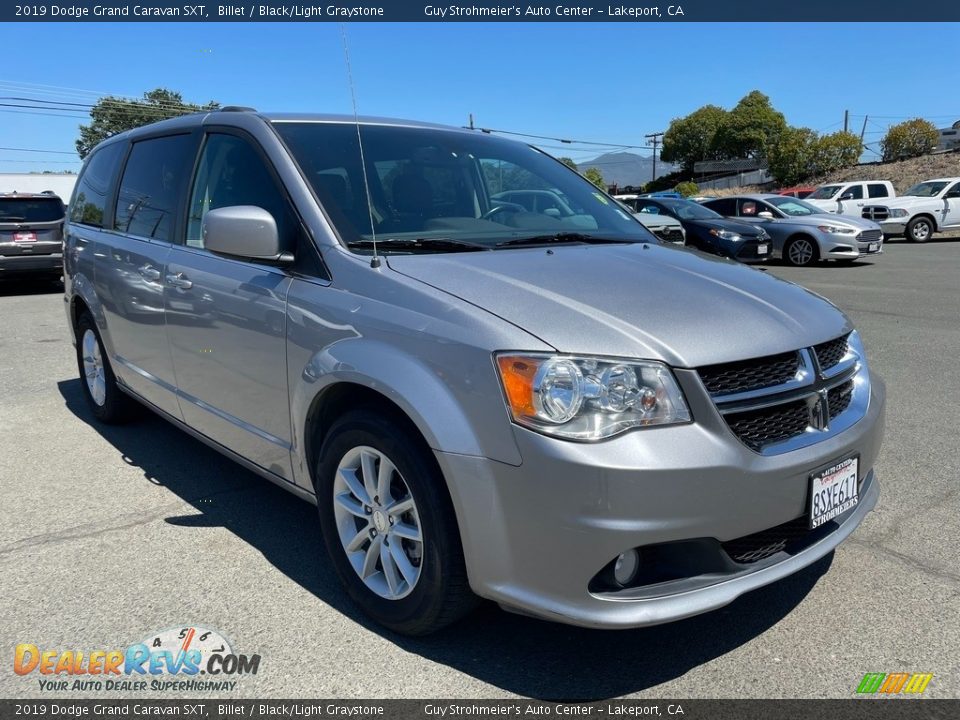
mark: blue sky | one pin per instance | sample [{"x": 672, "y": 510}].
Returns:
[{"x": 606, "y": 82}]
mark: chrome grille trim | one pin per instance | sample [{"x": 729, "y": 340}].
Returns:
[{"x": 846, "y": 385}]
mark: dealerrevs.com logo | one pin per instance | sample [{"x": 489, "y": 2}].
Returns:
[
  {"x": 894, "y": 683},
  {"x": 187, "y": 658}
]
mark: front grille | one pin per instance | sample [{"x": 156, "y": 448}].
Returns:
[
  {"x": 763, "y": 544},
  {"x": 831, "y": 352},
  {"x": 750, "y": 374},
  {"x": 870, "y": 236},
  {"x": 877, "y": 213},
  {"x": 672, "y": 235},
  {"x": 748, "y": 251},
  {"x": 839, "y": 398},
  {"x": 759, "y": 428}
]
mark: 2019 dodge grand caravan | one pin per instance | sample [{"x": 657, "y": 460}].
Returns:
[{"x": 553, "y": 411}]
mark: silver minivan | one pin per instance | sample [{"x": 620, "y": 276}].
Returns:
[{"x": 551, "y": 410}]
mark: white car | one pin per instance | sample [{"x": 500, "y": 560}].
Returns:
[
  {"x": 849, "y": 198},
  {"x": 928, "y": 207},
  {"x": 665, "y": 227}
]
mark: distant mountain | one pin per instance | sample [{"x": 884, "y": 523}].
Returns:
[{"x": 625, "y": 168}]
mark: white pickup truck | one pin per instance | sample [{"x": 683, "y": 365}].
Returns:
[
  {"x": 928, "y": 207},
  {"x": 849, "y": 198}
]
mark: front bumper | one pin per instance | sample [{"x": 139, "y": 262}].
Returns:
[
  {"x": 535, "y": 536},
  {"x": 894, "y": 227}
]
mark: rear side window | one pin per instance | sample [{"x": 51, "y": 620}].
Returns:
[
  {"x": 726, "y": 207},
  {"x": 152, "y": 182},
  {"x": 876, "y": 190},
  {"x": 90, "y": 197},
  {"x": 31, "y": 210}
]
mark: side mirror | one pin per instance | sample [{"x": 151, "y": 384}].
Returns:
[
  {"x": 243, "y": 231},
  {"x": 765, "y": 214},
  {"x": 845, "y": 196}
]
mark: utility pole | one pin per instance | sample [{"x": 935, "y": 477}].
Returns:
[
  {"x": 471, "y": 121},
  {"x": 846, "y": 120},
  {"x": 863, "y": 130},
  {"x": 654, "y": 139}
]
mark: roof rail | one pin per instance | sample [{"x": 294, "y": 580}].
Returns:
[{"x": 237, "y": 108}]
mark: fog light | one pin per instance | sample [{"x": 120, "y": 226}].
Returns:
[{"x": 626, "y": 566}]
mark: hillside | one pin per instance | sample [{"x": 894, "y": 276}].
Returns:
[
  {"x": 902, "y": 173},
  {"x": 624, "y": 168}
]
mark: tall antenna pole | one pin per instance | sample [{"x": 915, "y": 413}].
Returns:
[
  {"x": 471, "y": 121},
  {"x": 846, "y": 120},
  {"x": 863, "y": 130},
  {"x": 655, "y": 138},
  {"x": 375, "y": 261}
]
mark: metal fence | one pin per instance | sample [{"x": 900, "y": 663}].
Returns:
[{"x": 754, "y": 177}]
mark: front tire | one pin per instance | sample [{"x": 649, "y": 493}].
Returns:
[
  {"x": 389, "y": 526},
  {"x": 801, "y": 251},
  {"x": 919, "y": 230},
  {"x": 107, "y": 402}
]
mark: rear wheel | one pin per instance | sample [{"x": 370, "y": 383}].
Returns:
[
  {"x": 105, "y": 399},
  {"x": 919, "y": 229},
  {"x": 388, "y": 524},
  {"x": 801, "y": 251}
]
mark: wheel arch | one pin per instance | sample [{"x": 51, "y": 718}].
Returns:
[{"x": 929, "y": 216}]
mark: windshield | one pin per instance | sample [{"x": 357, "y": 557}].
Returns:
[
  {"x": 30, "y": 210},
  {"x": 688, "y": 210},
  {"x": 927, "y": 189},
  {"x": 794, "y": 207},
  {"x": 824, "y": 193},
  {"x": 429, "y": 184}
]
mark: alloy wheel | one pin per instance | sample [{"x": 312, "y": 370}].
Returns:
[
  {"x": 800, "y": 252},
  {"x": 93, "y": 371},
  {"x": 378, "y": 523}
]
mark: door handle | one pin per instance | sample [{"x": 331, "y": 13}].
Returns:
[
  {"x": 179, "y": 281},
  {"x": 149, "y": 273}
]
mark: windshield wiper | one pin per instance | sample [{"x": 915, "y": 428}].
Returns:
[
  {"x": 420, "y": 244},
  {"x": 560, "y": 237}
]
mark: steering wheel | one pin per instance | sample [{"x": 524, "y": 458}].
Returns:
[{"x": 497, "y": 209}]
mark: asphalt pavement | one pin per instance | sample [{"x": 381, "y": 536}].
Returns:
[{"x": 109, "y": 534}]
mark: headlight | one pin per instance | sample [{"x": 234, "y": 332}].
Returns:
[
  {"x": 725, "y": 234},
  {"x": 583, "y": 398},
  {"x": 764, "y": 235},
  {"x": 898, "y": 213},
  {"x": 837, "y": 229}
]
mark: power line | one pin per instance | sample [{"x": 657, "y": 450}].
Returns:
[
  {"x": 565, "y": 141},
  {"x": 52, "y": 152}
]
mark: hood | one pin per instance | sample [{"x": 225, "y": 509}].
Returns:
[
  {"x": 904, "y": 201},
  {"x": 634, "y": 301},
  {"x": 741, "y": 228},
  {"x": 829, "y": 219},
  {"x": 652, "y": 220}
]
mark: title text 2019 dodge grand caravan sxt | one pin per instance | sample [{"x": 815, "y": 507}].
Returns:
[{"x": 553, "y": 411}]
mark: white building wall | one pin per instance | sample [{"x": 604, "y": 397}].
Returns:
[{"x": 61, "y": 184}]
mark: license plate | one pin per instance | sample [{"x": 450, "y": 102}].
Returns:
[
  {"x": 873, "y": 247},
  {"x": 25, "y": 237},
  {"x": 833, "y": 491},
  {"x": 763, "y": 249}
]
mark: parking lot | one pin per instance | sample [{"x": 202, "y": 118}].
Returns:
[{"x": 109, "y": 534}]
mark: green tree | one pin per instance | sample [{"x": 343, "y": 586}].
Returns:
[
  {"x": 908, "y": 139},
  {"x": 112, "y": 115},
  {"x": 568, "y": 162},
  {"x": 790, "y": 158},
  {"x": 596, "y": 177},
  {"x": 750, "y": 129},
  {"x": 687, "y": 188},
  {"x": 835, "y": 152},
  {"x": 690, "y": 139}
]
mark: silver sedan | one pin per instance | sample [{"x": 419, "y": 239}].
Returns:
[{"x": 802, "y": 233}]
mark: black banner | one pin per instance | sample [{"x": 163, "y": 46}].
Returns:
[
  {"x": 740, "y": 11},
  {"x": 856, "y": 709}
]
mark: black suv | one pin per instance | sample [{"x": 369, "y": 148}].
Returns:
[{"x": 31, "y": 234}]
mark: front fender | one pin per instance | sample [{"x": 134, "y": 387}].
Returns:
[{"x": 461, "y": 413}]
